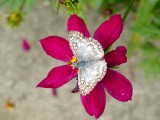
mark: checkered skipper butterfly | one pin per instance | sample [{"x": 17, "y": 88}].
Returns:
[{"x": 90, "y": 63}]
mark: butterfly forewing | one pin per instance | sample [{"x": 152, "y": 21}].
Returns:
[
  {"x": 85, "y": 49},
  {"x": 74, "y": 37},
  {"x": 89, "y": 74}
]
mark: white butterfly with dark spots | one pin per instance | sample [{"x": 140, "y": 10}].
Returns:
[{"x": 90, "y": 63}]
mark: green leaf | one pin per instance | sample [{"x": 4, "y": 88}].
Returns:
[
  {"x": 148, "y": 30},
  {"x": 108, "y": 49},
  {"x": 149, "y": 49},
  {"x": 96, "y": 4},
  {"x": 29, "y": 4},
  {"x": 5, "y": 3},
  {"x": 16, "y": 4},
  {"x": 151, "y": 59},
  {"x": 143, "y": 15},
  {"x": 133, "y": 43}
]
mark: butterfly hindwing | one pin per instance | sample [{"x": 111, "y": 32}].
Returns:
[{"x": 90, "y": 74}]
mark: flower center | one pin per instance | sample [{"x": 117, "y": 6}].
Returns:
[
  {"x": 73, "y": 62},
  {"x": 74, "y": 59}
]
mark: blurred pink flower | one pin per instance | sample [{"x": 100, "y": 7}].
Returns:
[
  {"x": 25, "y": 45},
  {"x": 117, "y": 85}
]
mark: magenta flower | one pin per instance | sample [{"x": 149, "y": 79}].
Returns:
[
  {"x": 25, "y": 45},
  {"x": 84, "y": 57}
]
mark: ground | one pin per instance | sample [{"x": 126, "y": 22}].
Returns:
[{"x": 20, "y": 72}]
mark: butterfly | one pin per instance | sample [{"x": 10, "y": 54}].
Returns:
[{"x": 90, "y": 63}]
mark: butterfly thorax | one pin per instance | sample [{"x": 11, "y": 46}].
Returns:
[{"x": 80, "y": 64}]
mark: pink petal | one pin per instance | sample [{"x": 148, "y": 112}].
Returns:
[
  {"x": 94, "y": 102},
  {"x": 118, "y": 86},
  {"x": 25, "y": 45},
  {"x": 116, "y": 57},
  {"x": 58, "y": 76},
  {"x": 109, "y": 31},
  {"x": 75, "y": 23},
  {"x": 57, "y": 48}
]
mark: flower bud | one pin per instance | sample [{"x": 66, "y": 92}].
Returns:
[
  {"x": 14, "y": 19},
  {"x": 69, "y": 3}
]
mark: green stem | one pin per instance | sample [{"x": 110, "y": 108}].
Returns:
[
  {"x": 107, "y": 50},
  {"x": 128, "y": 9},
  {"x": 57, "y": 6},
  {"x": 22, "y": 6}
]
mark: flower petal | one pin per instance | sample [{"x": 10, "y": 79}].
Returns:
[
  {"x": 109, "y": 31},
  {"x": 25, "y": 45},
  {"x": 75, "y": 23},
  {"x": 118, "y": 86},
  {"x": 116, "y": 57},
  {"x": 94, "y": 102},
  {"x": 57, "y": 48},
  {"x": 58, "y": 76}
]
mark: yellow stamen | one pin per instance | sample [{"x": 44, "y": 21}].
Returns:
[{"x": 74, "y": 59}]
